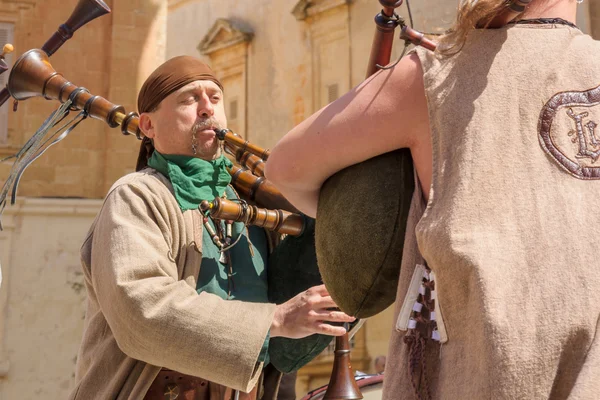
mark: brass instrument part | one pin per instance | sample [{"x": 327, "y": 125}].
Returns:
[{"x": 7, "y": 49}]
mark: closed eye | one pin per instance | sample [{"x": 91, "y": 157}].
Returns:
[{"x": 190, "y": 99}]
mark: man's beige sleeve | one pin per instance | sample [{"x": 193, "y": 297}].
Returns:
[{"x": 157, "y": 318}]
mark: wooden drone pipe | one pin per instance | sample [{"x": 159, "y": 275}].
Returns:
[
  {"x": 84, "y": 12},
  {"x": 279, "y": 221}
]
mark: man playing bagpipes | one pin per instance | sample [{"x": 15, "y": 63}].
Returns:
[{"x": 177, "y": 302}]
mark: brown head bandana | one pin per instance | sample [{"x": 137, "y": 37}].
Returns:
[{"x": 169, "y": 77}]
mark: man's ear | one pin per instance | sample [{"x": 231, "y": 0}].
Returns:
[{"x": 146, "y": 125}]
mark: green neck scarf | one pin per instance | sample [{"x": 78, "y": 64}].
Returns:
[{"x": 193, "y": 179}]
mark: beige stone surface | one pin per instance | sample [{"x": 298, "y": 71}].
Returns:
[
  {"x": 42, "y": 296},
  {"x": 137, "y": 47}
]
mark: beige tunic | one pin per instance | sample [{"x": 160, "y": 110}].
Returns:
[
  {"x": 141, "y": 259},
  {"x": 512, "y": 228}
]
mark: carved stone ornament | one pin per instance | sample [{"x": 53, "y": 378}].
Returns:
[
  {"x": 11, "y": 5},
  {"x": 307, "y": 8},
  {"x": 224, "y": 33},
  {"x": 567, "y": 132}
]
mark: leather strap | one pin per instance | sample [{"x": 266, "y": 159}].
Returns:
[{"x": 172, "y": 385}]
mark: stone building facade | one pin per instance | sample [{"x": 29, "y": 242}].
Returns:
[{"x": 279, "y": 61}]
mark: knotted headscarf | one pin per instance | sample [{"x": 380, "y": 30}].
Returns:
[{"x": 167, "y": 78}]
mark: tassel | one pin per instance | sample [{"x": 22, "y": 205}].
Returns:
[{"x": 34, "y": 148}]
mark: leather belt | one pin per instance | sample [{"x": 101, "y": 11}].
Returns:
[{"x": 172, "y": 385}]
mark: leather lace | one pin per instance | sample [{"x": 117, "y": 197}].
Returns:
[{"x": 541, "y": 21}]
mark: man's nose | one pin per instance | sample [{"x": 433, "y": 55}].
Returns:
[{"x": 205, "y": 107}]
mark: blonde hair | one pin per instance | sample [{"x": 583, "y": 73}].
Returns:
[{"x": 471, "y": 14}]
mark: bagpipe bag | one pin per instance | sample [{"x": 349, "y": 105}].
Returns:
[{"x": 360, "y": 228}]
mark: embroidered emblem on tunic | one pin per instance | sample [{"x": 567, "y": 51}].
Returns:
[{"x": 567, "y": 132}]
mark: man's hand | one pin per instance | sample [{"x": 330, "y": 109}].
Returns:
[{"x": 306, "y": 314}]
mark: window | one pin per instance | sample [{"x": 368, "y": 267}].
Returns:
[{"x": 6, "y": 36}]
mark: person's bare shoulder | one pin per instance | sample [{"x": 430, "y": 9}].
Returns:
[{"x": 401, "y": 101}]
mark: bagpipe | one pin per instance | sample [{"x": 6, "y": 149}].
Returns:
[{"x": 352, "y": 203}]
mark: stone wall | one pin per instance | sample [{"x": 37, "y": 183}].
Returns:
[{"x": 42, "y": 296}]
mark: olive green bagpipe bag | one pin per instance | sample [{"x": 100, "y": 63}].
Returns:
[
  {"x": 357, "y": 239},
  {"x": 360, "y": 229},
  {"x": 291, "y": 269}
]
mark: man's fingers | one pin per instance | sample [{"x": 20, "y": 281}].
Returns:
[
  {"x": 323, "y": 302},
  {"x": 321, "y": 289},
  {"x": 326, "y": 329},
  {"x": 330, "y": 316}
]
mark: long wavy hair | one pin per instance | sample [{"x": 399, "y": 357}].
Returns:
[{"x": 471, "y": 14}]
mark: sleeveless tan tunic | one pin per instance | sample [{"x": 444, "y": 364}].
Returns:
[{"x": 512, "y": 228}]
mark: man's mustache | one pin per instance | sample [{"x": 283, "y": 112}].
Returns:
[{"x": 208, "y": 123}]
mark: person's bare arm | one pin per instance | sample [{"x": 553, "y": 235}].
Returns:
[{"x": 382, "y": 114}]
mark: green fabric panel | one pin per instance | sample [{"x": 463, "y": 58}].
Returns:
[
  {"x": 292, "y": 268},
  {"x": 249, "y": 272},
  {"x": 193, "y": 179}
]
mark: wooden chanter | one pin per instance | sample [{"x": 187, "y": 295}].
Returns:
[{"x": 342, "y": 385}]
